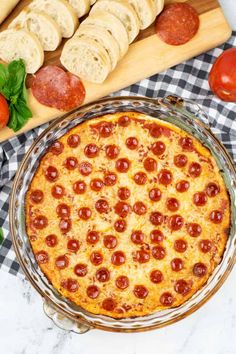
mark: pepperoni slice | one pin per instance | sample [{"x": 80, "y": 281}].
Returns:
[
  {"x": 166, "y": 299},
  {"x": 175, "y": 222},
  {"x": 124, "y": 193},
  {"x": 137, "y": 237},
  {"x": 194, "y": 229},
  {"x": 63, "y": 210},
  {"x": 150, "y": 164},
  {"x": 158, "y": 148},
  {"x": 62, "y": 262},
  {"x": 182, "y": 287},
  {"x": 71, "y": 163},
  {"x": 199, "y": 270},
  {"x": 51, "y": 240},
  {"x": 140, "y": 178},
  {"x": 93, "y": 291},
  {"x": 92, "y": 237},
  {"x": 103, "y": 275},
  {"x": 141, "y": 256},
  {"x": 156, "y": 236},
  {"x": 200, "y": 198},
  {"x": 216, "y": 216},
  {"x": 172, "y": 204},
  {"x": 51, "y": 174},
  {"x": 122, "y": 209},
  {"x": 81, "y": 270},
  {"x": 155, "y": 194},
  {"x": 124, "y": 121},
  {"x": 65, "y": 225},
  {"x": 165, "y": 177},
  {"x": 122, "y": 282},
  {"x": 53, "y": 87},
  {"x": 85, "y": 213},
  {"x": 180, "y": 160},
  {"x": 177, "y": 24},
  {"x": 91, "y": 150},
  {"x": 140, "y": 291},
  {"x": 132, "y": 143},
  {"x": 205, "y": 246},
  {"x": 186, "y": 144},
  {"x": 109, "y": 304},
  {"x": 182, "y": 186},
  {"x": 212, "y": 189},
  {"x": 79, "y": 187},
  {"x": 156, "y": 276},
  {"x": 40, "y": 222},
  {"x": 56, "y": 148},
  {"x": 118, "y": 258},
  {"x": 195, "y": 169},
  {"x": 155, "y": 130},
  {"x": 139, "y": 208},
  {"x": 110, "y": 179},
  {"x": 105, "y": 129},
  {"x": 112, "y": 151},
  {"x": 42, "y": 257},
  {"x": 110, "y": 242},
  {"x": 73, "y": 245},
  {"x": 177, "y": 264},
  {"x": 122, "y": 165},
  {"x": 96, "y": 258},
  {"x": 73, "y": 141},
  {"x": 156, "y": 218},
  {"x": 180, "y": 245},
  {"x": 102, "y": 206},
  {"x": 85, "y": 168},
  {"x": 158, "y": 252},
  {"x": 96, "y": 184},
  {"x": 36, "y": 196},
  {"x": 58, "y": 191},
  {"x": 120, "y": 225},
  {"x": 70, "y": 284}
]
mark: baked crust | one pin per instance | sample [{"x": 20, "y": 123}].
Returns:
[{"x": 124, "y": 303}]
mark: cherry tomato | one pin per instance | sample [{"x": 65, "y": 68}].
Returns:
[
  {"x": 222, "y": 78},
  {"x": 4, "y": 112}
]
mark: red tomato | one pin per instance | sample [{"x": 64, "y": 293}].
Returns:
[
  {"x": 222, "y": 78},
  {"x": 4, "y": 112}
]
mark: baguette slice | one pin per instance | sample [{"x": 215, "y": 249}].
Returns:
[
  {"x": 86, "y": 58},
  {"x": 61, "y": 11},
  {"x": 42, "y": 25},
  {"x": 124, "y": 12},
  {"x": 104, "y": 38},
  {"x": 159, "y": 6},
  {"x": 81, "y": 7},
  {"x": 6, "y": 8},
  {"x": 16, "y": 44},
  {"x": 113, "y": 26},
  {"x": 146, "y": 11}
]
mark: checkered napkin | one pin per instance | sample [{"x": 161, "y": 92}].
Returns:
[{"x": 188, "y": 80}]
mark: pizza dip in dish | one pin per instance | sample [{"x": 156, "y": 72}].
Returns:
[{"x": 127, "y": 215}]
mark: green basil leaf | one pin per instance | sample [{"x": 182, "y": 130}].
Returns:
[
  {"x": 3, "y": 75},
  {"x": 13, "y": 118},
  {"x": 23, "y": 109},
  {"x": 6, "y": 92},
  {"x": 1, "y": 235},
  {"x": 16, "y": 79}
]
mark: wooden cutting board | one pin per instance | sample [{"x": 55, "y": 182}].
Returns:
[{"x": 146, "y": 57}]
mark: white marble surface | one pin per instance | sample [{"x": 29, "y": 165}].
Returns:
[{"x": 24, "y": 329}]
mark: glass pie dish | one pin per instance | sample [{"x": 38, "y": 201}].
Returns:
[{"x": 183, "y": 113}]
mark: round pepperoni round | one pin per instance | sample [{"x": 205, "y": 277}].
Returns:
[
  {"x": 132, "y": 143},
  {"x": 70, "y": 284},
  {"x": 122, "y": 282},
  {"x": 96, "y": 184},
  {"x": 156, "y": 276},
  {"x": 71, "y": 163},
  {"x": 124, "y": 121},
  {"x": 180, "y": 245},
  {"x": 155, "y": 194},
  {"x": 137, "y": 237},
  {"x": 120, "y": 225},
  {"x": 182, "y": 287},
  {"x": 124, "y": 193},
  {"x": 177, "y": 264},
  {"x": 200, "y": 199},
  {"x": 182, "y": 186},
  {"x": 85, "y": 168},
  {"x": 51, "y": 240},
  {"x": 56, "y": 148},
  {"x": 139, "y": 208},
  {"x": 194, "y": 229},
  {"x": 110, "y": 242},
  {"x": 156, "y": 218},
  {"x": 110, "y": 179},
  {"x": 165, "y": 177},
  {"x": 205, "y": 245},
  {"x": 85, "y": 213},
  {"x": 58, "y": 191},
  {"x": 112, "y": 151},
  {"x": 156, "y": 236},
  {"x": 140, "y": 178},
  {"x": 118, "y": 258},
  {"x": 212, "y": 189},
  {"x": 91, "y": 150},
  {"x": 42, "y": 257},
  {"x": 73, "y": 141},
  {"x": 141, "y": 256},
  {"x": 62, "y": 262},
  {"x": 158, "y": 252},
  {"x": 102, "y": 206},
  {"x": 93, "y": 291},
  {"x": 155, "y": 130},
  {"x": 73, "y": 245},
  {"x": 109, "y": 304},
  {"x": 105, "y": 129},
  {"x": 166, "y": 299},
  {"x": 195, "y": 169},
  {"x": 81, "y": 270},
  {"x": 63, "y": 210},
  {"x": 140, "y": 291},
  {"x": 180, "y": 160},
  {"x": 103, "y": 275},
  {"x": 36, "y": 196},
  {"x": 122, "y": 165},
  {"x": 92, "y": 237},
  {"x": 175, "y": 222},
  {"x": 65, "y": 225},
  {"x": 150, "y": 164},
  {"x": 216, "y": 216},
  {"x": 122, "y": 209},
  {"x": 51, "y": 174},
  {"x": 158, "y": 148},
  {"x": 172, "y": 204},
  {"x": 40, "y": 222},
  {"x": 96, "y": 258},
  {"x": 79, "y": 187},
  {"x": 199, "y": 270},
  {"x": 186, "y": 143}
]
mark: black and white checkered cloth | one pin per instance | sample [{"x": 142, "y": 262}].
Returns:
[{"x": 188, "y": 80}]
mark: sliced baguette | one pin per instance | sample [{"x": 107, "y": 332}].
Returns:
[
  {"x": 61, "y": 11},
  {"x": 124, "y": 12},
  {"x": 159, "y": 6},
  {"x": 146, "y": 11},
  {"x": 6, "y": 8},
  {"x": 81, "y": 7},
  {"x": 42, "y": 25},
  {"x": 103, "y": 37},
  {"x": 16, "y": 44},
  {"x": 113, "y": 26},
  {"x": 86, "y": 58}
]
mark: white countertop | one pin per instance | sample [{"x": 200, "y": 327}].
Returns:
[{"x": 24, "y": 329}]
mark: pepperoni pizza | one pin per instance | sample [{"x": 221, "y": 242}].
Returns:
[{"x": 127, "y": 215}]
